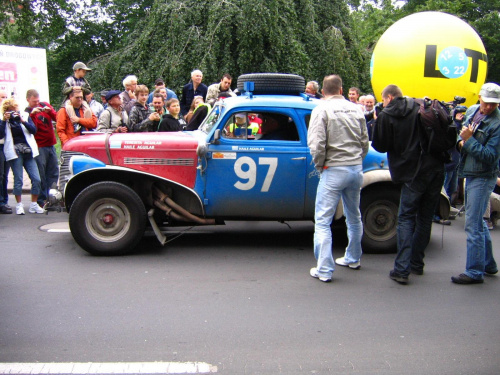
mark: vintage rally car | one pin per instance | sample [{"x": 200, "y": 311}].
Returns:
[{"x": 248, "y": 160}]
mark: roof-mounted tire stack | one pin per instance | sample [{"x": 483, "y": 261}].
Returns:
[{"x": 273, "y": 83}]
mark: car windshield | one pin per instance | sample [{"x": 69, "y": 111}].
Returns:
[{"x": 209, "y": 122}]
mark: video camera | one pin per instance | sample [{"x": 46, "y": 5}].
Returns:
[{"x": 378, "y": 108}]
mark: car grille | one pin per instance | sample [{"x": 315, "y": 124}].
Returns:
[{"x": 64, "y": 172}]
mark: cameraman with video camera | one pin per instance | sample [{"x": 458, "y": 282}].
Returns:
[{"x": 20, "y": 149}]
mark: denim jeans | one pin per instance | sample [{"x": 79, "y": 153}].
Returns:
[
  {"x": 451, "y": 182},
  {"x": 417, "y": 205},
  {"x": 479, "y": 246},
  {"x": 2, "y": 169},
  {"x": 29, "y": 164},
  {"x": 5, "y": 182},
  {"x": 335, "y": 183},
  {"x": 48, "y": 167}
]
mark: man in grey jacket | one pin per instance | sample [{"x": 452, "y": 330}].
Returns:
[
  {"x": 338, "y": 141},
  {"x": 113, "y": 119}
]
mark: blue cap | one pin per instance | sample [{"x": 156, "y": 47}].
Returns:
[{"x": 111, "y": 94}]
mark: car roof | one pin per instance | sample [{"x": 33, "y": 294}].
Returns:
[{"x": 270, "y": 101}]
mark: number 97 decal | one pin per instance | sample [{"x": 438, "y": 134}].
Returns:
[{"x": 250, "y": 172}]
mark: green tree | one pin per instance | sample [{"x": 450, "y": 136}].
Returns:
[
  {"x": 307, "y": 37},
  {"x": 69, "y": 31}
]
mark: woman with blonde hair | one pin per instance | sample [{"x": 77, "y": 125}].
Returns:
[{"x": 20, "y": 149}]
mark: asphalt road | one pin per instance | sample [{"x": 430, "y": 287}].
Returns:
[{"x": 240, "y": 298}]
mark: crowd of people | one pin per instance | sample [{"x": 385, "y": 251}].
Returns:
[
  {"x": 27, "y": 141},
  {"x": 28, "y": 138},
  {"x": 136, "y": 108},
  {"x": 421, "y": 174}
]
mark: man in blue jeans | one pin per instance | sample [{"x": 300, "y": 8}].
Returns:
[
  {"x": 480, "y": 151},
  {"x": 41, "y": 114},
  {"x": 338, "y": 140},
  {"x": 421, "y": 175}
]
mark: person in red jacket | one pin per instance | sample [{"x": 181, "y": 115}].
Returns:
[
  {"x": 65, "y": 128},
  {"x": 41, "y": 114}
]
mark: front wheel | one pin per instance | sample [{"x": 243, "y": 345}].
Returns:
[
  {"x": 107, "y": 218},
  {"x": 379, "y": 210}
]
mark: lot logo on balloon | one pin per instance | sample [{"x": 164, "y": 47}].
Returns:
[
  {"x": 430, "y": 54},
  {"x": 453, "y": 62}
]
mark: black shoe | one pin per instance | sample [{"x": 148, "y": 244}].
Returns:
[
  {"x": 464, "y": 279},
  {"x": 397, "y": 277},
  {"x": 6, "y": 205},
  {"x": 442, "y": 221},
  {"x": 417, "y": 272},
  {"x": 488, "y": 272},
  {"x": 5, "y": 210}
]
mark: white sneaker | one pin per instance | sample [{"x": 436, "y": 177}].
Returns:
[
  {"x": 314, "y": 273},
  {"x": 19, "y": 209},
  {"x": 343, "y": 263},
  {"x": 35, "y": 208}
]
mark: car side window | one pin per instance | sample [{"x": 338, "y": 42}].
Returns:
[{"x": 261, "y": 126}]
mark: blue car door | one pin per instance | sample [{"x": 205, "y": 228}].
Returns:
[{"x": 252, "y": 174}]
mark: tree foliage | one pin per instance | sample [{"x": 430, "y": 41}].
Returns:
[
  {"x": 307, "y": 37},
  {"x": 70, "y": 31},
  {"x": 170, "y": 38}
]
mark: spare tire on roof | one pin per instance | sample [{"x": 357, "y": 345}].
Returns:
[{"x": 273, "y": 83}]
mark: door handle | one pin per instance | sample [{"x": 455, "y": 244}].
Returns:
[{"x": 301, "y": 158}]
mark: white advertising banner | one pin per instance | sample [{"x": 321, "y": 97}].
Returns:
[{"x": 22, "y": 69}]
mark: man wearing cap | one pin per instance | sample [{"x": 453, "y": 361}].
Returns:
[
  {"x": 66, "y": 128},
  {"x": 103, "y": 99},
  {"x": 77, "y": 79},
  {"x": 113, "y": 119},
  {"x": 160, "y": 84},
  {"x": 479, "y": 145},
  {"x": 241, "y": 122}
]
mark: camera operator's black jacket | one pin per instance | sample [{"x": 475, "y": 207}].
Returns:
[{"x": 396, "y": 132}]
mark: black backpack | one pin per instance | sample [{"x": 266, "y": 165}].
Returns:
[{"x": 437, "y": 132}]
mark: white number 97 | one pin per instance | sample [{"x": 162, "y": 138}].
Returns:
[{"x": 250, "y": 172}]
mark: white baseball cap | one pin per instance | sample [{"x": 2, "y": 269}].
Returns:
[{"x": 490, "y": 93}]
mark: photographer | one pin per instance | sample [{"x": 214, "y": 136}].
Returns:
[
  {"x": 42, "y": 114},
  {"x": 20, "y": 150}
]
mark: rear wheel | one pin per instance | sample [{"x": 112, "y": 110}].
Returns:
[
  {"x": 107, "y": 218},
  {"x": 273, "y": 83},
  {"x": 379, "y": 210}
]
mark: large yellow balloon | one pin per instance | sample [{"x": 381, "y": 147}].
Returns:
[{"x": 430, "y": 54}]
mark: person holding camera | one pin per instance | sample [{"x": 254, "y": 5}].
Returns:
[
  {"x": 479, "y": 147},
  {"x": 42, "y": 114},
  {"x": 20, "y": 149}
]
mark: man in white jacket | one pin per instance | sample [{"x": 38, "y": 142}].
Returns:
[{"x": 338, "y": 142}]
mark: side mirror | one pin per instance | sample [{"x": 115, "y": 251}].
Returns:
[{"x": 216, "y": 137}]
